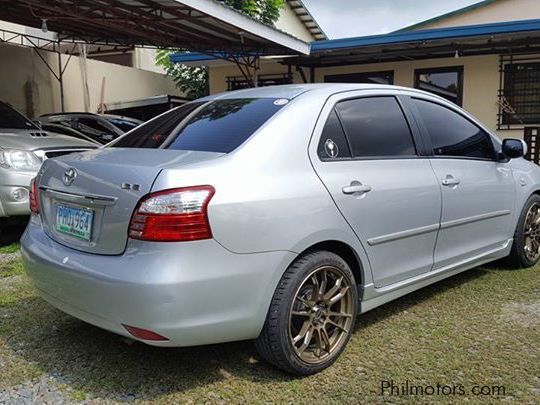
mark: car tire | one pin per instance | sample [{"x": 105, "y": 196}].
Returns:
[
  {"x": 305, "y": 306},
  {"x": 526, "y": 244}
]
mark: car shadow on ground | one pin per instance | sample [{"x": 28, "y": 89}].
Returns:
[
  {"x": 12, "y": 230},
  {"x": 102, "y": 365}
]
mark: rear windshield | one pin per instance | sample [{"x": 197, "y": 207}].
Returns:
[
  {"x": 9, "y": 118},
  {"x": 215, "y": 126},
  {"x": 124, "y": 125}
]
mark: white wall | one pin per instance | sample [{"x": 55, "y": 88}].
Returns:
[
  {"x": 27, "y": 84},
  {"x": 290, "y": 23}
]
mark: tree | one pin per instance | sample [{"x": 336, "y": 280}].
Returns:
[{"x": 193, "y": 80}]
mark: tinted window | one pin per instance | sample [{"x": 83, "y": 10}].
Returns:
[
  {"x": 123, "y": 125},
  {"x": 452, "y": 134},
  {"x": 445, "y": 82},
  {"x": 95, "y": 130},
  {"x": 216, "y": 126},
  {"x": 9, "y": 118},
  {"x": 333, "y": 144},
  {"x": 376, "y": 126}
]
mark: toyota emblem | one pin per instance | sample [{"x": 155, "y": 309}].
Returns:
[{"x": 69, "y": 176}]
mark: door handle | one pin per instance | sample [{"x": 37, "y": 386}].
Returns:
[
  {"x": 450, "y": 181},
  {"x": 356, "y": 188}
]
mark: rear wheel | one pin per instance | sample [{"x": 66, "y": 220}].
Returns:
[
  {"x": 526, "y": 245},
  {"x": 311, "y": 316}
]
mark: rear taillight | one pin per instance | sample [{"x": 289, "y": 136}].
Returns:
[
  {"x": 33, "y": 197},
  {"x": 174, "y": 215},
  {"x": 144, "y": 334}
]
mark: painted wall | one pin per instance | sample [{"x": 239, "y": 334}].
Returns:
[
  {"x": 31, "y": 88},
  {"x": 145, "y": 58},
  {"x": 480, "y": 81},
  {"x": 289, "y": 22},
  {"x": 498, "y": 11}
]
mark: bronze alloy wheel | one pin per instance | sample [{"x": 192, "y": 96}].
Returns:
[
  {"x": 321, "y": 315},
  {"x": 531, "y": 233}
]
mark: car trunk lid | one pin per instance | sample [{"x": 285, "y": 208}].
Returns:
[{"x": 87, "y": 199}]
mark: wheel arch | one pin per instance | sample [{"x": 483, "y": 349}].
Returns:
[{"x": 343, "y": 250}]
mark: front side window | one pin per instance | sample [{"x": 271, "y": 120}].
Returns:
[
  {"x": 376, "y": 127},
  {"x": 444, "y": 82},
  {"x": 9, "y": 118},
  {"x": 215, "y": 126},
  {"x": 452, "y": 134}
]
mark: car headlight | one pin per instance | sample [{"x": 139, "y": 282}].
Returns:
[{"x": 19, "y": 160}]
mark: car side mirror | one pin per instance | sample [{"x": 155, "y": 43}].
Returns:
[{"x": 514, "y": 148}]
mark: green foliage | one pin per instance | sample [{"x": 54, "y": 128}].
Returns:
[
  {"x": 193, "y": 80},
  {"x": 265, "y": 11}
]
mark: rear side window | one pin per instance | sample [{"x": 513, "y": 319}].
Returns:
[
  {"x": 376, "y": 127},
  {"x": 452, "y": 134},
  {"x": 215, "y": 126},
  {"x": 333, "y": 144}
]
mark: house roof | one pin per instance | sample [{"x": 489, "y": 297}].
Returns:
[
  {"x": 493, "y": 38},
  {"x": 465, "y": 31},
  {"x": 409, "y": 45},
  {"x": 202, "y": 25},
  {"x": 442, "y": 17},
  {"x": 307, "y": 19}
]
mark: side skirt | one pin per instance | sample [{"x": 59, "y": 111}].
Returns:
[{"x": 373, "y": 297}]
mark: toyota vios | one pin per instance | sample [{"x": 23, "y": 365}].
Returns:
[{"x": 277, "y": 214}]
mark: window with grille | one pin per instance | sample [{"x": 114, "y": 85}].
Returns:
[
  {"x": 237, "y": 83},
  {"x": 520, "y": 101}
]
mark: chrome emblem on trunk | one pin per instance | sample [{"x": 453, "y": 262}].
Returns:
[{"x": 69, "y": 176}]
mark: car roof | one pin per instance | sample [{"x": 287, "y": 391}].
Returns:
[
  {"x": 120, "y": 117},
  {"x": 61, "y": 114},
  {"x": 291, "y": 91},
  {"x": 88, "y": 114}
]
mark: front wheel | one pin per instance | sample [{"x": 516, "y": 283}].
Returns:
[
  {"x": 311, "y": 316},
  {"x": 526, "y": 245}
]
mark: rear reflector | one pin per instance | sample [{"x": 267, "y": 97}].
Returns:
[
  {"x": 174, "y": 215},
  {"x": 144, "y": 334},
  {"x": 33, "y": 197}
]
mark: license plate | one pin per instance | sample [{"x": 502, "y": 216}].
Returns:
[{"x": 76, "y": 222}]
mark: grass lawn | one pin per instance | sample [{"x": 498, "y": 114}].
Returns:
[{"x": 481, "y": 328}]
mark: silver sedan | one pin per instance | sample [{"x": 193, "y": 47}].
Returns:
[{"x": 277, "y": 214}]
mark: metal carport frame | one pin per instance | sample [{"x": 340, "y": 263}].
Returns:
[{"x": 207, "y": 26}]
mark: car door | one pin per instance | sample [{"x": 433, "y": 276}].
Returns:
[
  {"x": 367, "y": 157},
  {"x": 477, "y": 188}
]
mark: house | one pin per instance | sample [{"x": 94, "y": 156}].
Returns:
[{"x": 485, "y": 57}]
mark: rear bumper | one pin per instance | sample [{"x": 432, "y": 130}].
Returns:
[
  {"x": 9, "y": 182},
  {"x": 193, "y": 293}
]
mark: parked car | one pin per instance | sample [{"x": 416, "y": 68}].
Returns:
[
  {"x": 277, "y": 214},
  {"x": 23, "y": 147},
  {"x": 102, "y": 128},
  {"x": 68, "y": 131}
]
